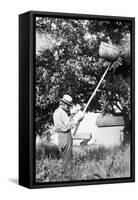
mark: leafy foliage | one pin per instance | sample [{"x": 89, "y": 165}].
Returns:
[{"x": 68, "y": 62}]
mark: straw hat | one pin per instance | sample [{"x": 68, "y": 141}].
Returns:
[{"x": 67, "y": 99}]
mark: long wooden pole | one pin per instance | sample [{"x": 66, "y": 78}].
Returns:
[{"x": 90, "y": 99}]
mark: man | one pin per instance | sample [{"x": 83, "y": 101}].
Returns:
[{"x": 63, "y": 123}]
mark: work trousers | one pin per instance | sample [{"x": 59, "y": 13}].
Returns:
[{"x": 65, "y": 143}]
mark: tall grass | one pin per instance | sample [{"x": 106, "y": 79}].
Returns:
[{"x": 87, "y": 163}]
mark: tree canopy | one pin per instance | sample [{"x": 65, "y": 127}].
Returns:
[{"x": 68, "y": 62}]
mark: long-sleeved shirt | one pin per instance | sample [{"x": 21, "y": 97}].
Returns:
[{"x": 62, "y": 122}]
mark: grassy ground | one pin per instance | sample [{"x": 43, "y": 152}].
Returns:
[{"x": 88, "y": 163}]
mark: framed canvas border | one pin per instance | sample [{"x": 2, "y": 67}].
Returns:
[{"x": 27, "y": 52}]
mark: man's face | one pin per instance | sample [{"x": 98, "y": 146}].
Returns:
[{"x": 67, "y": 107}]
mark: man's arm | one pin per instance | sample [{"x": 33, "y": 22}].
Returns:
[
  {"x": 67, "y": 121},
  {"x": 71, "y": 122}
]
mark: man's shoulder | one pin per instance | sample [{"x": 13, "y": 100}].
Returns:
[{"x": 59, "y": 110}]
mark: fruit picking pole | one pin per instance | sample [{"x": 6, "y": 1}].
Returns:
[
  {"x": 95, "y": 90},
  {"x": 90, "y": 99}
]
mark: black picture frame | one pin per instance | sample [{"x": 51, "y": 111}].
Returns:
[{"x": 27, "y": 93}]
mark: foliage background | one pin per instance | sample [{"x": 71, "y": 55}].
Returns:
[{"x": 67, "y": 61}]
